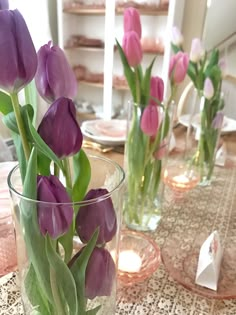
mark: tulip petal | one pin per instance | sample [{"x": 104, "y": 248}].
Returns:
[
  {"x": 18, "y": 59},
  {"x": 53, "y": 218},
  {"x": 150, "y": 120},
  {"x": 132, "y": 48},
  {"x": 132, "y": 21},
  {"x": 57, "y": 66},
  {"x": 97, "y": 214},
  {"x": 54, "y": 77},
  {"x": 41, "y": 79},
  {"x": 156, "y": 89},
  {"x": 60, "y": 130}
]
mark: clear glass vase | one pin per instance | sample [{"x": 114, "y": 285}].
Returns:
[
  {"x": 208, "y": 131},
  {"x": 53, "y": 283},
  {"x": 144, "y": 158}
]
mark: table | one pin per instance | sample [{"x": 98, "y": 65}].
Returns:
[{"x": 208, "y": 208}]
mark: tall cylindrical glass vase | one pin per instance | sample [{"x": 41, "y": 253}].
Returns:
[{"x": 53, "y": 280}]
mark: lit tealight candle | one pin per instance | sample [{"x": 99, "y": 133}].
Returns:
[
  {"x": 181, "y": 180},
  {"x": 129, "y": 261}
]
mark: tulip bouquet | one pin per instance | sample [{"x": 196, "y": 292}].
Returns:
[
  {"x": 54, "y": 204},
  {"x": 206, "y": 71},
  {"x": 148, "y": 125}
]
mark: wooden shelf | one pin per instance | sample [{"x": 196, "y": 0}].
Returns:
[
  {"x": 89, "y": 83},
  {"x": 100, "y": 85},
  {"x": 147, "y": 11},
  {"x": 85, "y": 11},
  {"x": 101, "y": 49},
  {"x": 119, "y": 11},
  {"x": 86, "y": 48}
]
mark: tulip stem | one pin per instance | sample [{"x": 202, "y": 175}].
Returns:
[
  {"x": 67, "y": 173},
  {"x": 20, "y": 124},
  {"x": 55, "y": 293}
]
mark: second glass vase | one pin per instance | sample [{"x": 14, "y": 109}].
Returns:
[{"x": 144, "y": 158}]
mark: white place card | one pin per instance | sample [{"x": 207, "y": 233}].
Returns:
[
  {"x": 221, "y": 155},
  {"x": 209, "y": 262}
]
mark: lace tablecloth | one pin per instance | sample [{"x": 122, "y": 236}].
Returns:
[{"x": 203, "y": 209}]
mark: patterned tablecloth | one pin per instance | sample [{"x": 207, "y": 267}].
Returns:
[{"x": 199, "y": 212}]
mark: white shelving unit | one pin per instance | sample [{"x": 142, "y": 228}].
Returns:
[{"x": 106, "y": 25}]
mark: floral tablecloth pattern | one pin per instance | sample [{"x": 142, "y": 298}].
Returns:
[{"x": 207, "y": 208}]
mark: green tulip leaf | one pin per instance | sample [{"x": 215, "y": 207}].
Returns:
[
  {"x": 20, "y": 154},
  {"x": 62, "y": 282},
  {"x": 82, "y": 175},
  {"x": 66, "y": 241},
  {"x": 31, "y": 97},
  {"x": 145, "y": 87},
  {"x": 93, "y": 311},
  {"x": 5, "y": 103},
  {"x": 42, "y": 146},
  {"x": 35, "y": 294},
  {"x": 32, "y": 235},
  {"x": 129, "y": 73},
  {"x": 213, "y": 60},
  {"x": 175, "y": 48},
  {"x": 78, "y": 270},
  {"x": 43, "y": 164},
  {"x": 10, "y": 119}
]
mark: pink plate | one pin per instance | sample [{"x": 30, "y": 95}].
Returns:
[{"x": 180, "y": 256}]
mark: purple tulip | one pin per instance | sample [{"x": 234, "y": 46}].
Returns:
[
  {"x": 218, "y": 120},
  {"x": 18, "y": 58},
  {"x": 100, "y": 273},
  {"x": 132, "y": 48},
  {"x": 4, "y": 5},
  {"x": 59, "y": 128},
  {"x": 197, "y": 50},
  {"x": 97, "y": 214},
  {"x": 178, "y": 67},
  {"x": 54, "y": 77},
  {"x": 150, "y": 120},
  {"x": 52, "y": 218},
  {"x": 208, "y": 89},
  {"x": 132, "y": 21},
  {"x": 156, "y": 89}
]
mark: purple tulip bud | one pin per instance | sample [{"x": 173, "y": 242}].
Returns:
[
  {"x": 59, "y": 128},
  {"x": 132, "y": 48},
  {"x": 156, "y": 90},
  {"x": 4, "y": 5},
  {"x": 54, "y": 77},
  {"x": 218, "y": 120},
  {"x": 18, "y": 58},
  {"x": 178, "y": 67},
  {"x": 100, "y": 273},
  {"x": 150, "y": 120},
  {"x": 197, "y": 50},
  {"x": 132, "y": 21},
  {"x": 100, "y": 214},
  {"x": 208, "y": 89},
  {"x": 54, "y": 219},
  {"x": 177, "y": 37}
]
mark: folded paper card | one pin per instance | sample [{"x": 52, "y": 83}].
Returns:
[
  {"x": 221, "y": 155},
  {"x": 208, "y": 269}
]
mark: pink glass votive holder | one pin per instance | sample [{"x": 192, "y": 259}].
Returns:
[
  {"x": 8, "y": 260},
  {"x": 139, "y": 257}
]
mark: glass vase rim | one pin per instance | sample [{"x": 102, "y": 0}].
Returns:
[{"x": 76, "y": 203}]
